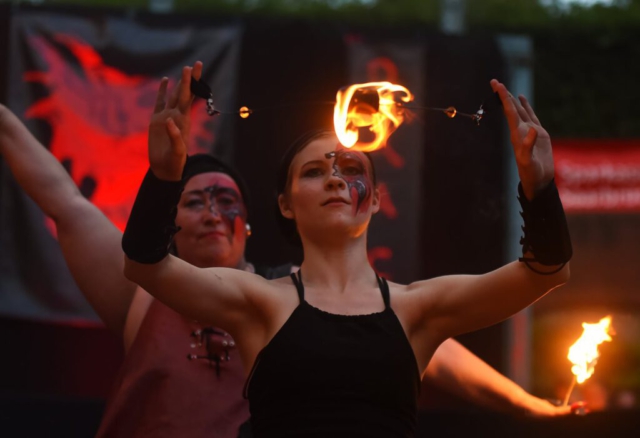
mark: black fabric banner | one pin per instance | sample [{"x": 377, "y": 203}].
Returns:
[
  {"x": 85, "y": 85},
  {"x": 393, "y": 233}
]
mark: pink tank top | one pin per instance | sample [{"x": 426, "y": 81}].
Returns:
[{"x": 179, "y": 379}]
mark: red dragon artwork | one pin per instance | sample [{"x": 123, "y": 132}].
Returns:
[{"x": 98, "y": 117}]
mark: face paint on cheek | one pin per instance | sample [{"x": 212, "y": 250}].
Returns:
[
  {"x": 360, "y": 185},
  {"x": 238, "y": 228},
  {"x": 360, "y": 191},
  {"x": 233, "y": 215},
  {"x": 234, "y": 219}
]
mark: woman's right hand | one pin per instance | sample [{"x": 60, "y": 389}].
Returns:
[{"x": 169, "y": 126}]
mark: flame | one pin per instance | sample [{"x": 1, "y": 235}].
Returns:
[
  {"x": 244, "y": 112},
  {"x": 584, "y": 353},
  {"x": 374, "y": 105}
]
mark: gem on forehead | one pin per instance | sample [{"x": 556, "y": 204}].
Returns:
[{"x": 331, "y": 154}]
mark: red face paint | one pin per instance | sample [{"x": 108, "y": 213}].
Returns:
[
  {"x": 350, "y": 166},
  {"x": 227, "y": 202}
]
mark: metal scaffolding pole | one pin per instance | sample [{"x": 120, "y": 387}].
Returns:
[{"x": 518, "y": 56}]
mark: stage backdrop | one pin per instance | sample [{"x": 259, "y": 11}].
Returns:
[{"x": 85, "y": 85}]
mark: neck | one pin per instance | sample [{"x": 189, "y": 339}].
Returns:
[{"x": 336, "y": 265}]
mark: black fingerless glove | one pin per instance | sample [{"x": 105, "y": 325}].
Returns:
[
  {"x": 546, "y": 233},
  {"x": 151, "y": 225}
]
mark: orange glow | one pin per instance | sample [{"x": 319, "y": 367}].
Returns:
[
  {"x": 244, "y": 112},
  {"x": 584, "y": 353},
  {"x": 376, "y": 107}
]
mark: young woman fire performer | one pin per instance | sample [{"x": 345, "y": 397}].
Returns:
[{"x": 336, "y": 350}]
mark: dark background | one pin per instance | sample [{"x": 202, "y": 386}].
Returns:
[{"x": 60, "y": 374}]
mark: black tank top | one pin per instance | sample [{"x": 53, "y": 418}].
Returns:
[{"x": 329, "y": 375}]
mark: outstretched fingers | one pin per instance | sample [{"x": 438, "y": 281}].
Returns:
[
  {"x": 509, "y": 108},
  {"x": 176, "y": 94},
  {"x": 528, "y": 142},
  {"x": 524, "y": 116},
  {"x": 181, "y": 96},
  {"x": 527, "y": 106},
  {"x": 162, "y": 91},
  {"x": 197, "y": 70},
  {"x": 178, "y": 146},
  {"x": 184, "y": 90}
]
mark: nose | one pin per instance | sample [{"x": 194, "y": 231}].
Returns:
[
  {"x": 335, "y": 183},
  {"x": 211, "y": 213}
]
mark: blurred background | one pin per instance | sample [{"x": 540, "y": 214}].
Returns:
[{"x": 83, "y": 74}]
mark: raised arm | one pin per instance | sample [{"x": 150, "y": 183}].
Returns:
[
  {"x": 462, "y": 303},
  {"x": 455, "y": 369},
  {"x": 227, "y": 298},
  {"x": 90, "y": 242},
  {"x": 224, "y": 297}
]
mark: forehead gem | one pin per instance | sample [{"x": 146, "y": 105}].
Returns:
[{"x": 329, "y": 155}]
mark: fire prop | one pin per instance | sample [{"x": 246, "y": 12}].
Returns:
[
  {"x": 584, "y": 354},
  {"x": 373, "y": 110},
  {"x": 364, "y": 116}
]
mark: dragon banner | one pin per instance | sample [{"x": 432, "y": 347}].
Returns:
[{"x": 85, "y": 86}]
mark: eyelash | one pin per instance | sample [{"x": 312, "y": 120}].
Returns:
[
  {"x": 193, "y": 203},
  {"x": 310, "y": 173}
]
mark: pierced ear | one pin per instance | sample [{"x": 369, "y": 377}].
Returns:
[
  {"x": 375, "y": 200},
  {"x": 285, "y": 208}
]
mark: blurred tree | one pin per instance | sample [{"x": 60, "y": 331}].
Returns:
[
  {"x": 515, "y": 15},
  {"x": 585, "y": 70}
]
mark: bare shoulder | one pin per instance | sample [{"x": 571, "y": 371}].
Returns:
[
  {"x": 412, "y": 302},
  {"x": 262, "y": 291},
  {"x": 418, "y": 290},
  {"x": 280, "y": 300},
  {"x": 281, "y": 281},
  {"x": 284, "y": 289},
  {"x": 235, "y": 276}
]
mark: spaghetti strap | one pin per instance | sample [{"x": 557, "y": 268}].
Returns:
[
  {"x": 297, "y": 281},
  {"x": 384, "y": 289}
]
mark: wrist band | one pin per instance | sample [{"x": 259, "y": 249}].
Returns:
[
  {"x": 546, "y": 232},
  {"x": 151, "y": 225}
]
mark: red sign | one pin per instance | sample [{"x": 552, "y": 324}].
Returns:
[{"x": 598, "y": 176}]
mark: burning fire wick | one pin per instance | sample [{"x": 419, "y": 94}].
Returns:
[
  {"x": 452, "y": 112},
  {"x": 584, "y": 354}
]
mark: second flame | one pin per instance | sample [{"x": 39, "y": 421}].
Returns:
[{"x": 584, "y": 352}]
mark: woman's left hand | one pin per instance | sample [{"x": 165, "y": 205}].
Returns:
[
  {"x": 170, "y": 125},
  {"x": 531, "y": 142}
]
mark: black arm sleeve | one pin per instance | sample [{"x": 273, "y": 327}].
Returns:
[
  {"x": 151, "y": 225},
  {"x": 546, "y": 232}
]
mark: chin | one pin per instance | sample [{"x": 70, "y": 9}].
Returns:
[{"x": 347, "y": 227}]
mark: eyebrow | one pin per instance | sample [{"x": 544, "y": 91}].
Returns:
[
  {"x": 225, "y": 190},
  {"x": 314, "y": 162}
]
